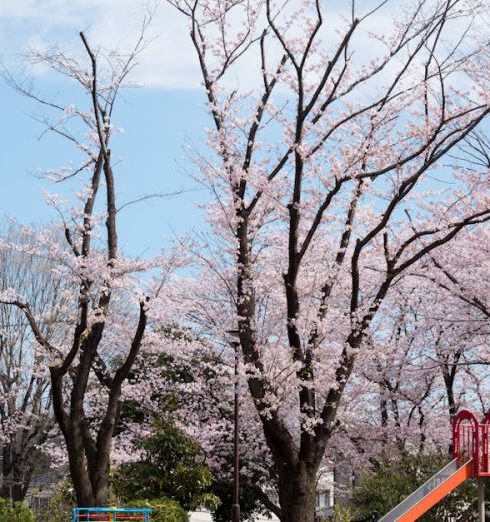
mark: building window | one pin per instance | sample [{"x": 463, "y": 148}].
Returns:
[{"x": 323, "y": 499}]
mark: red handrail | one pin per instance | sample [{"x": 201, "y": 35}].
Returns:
[{"x": 471, "y": 441}]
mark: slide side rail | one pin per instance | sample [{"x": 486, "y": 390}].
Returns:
[{"x": 423, "y": 491}]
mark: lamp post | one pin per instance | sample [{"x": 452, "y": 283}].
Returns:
[
  {"x": 235, "y": 508},
  {"x": 481, "y": 500}
]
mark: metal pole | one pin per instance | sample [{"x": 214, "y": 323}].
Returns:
[
  {"x": 235, "y": 508},
  {"x": 481, "y": 500}
]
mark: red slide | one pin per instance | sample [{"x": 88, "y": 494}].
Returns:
[
  {"x": 471, "y": 459},
  {"x": 430, "y": 493}
]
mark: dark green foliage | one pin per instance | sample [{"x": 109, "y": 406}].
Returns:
[
  {"x": 250, "y": 507},
  {"x": 164, "y": 509},
  {"x": 17, "y": 513},
  {"x": 174, "y": 472},
  {"x": 172, "y": 469},
  {"x": 379, "y": 491}
]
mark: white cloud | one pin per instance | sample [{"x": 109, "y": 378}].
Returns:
[{"x": 169, "y": 61}]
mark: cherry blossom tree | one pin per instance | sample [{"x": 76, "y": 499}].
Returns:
[
  {"x": 460, "y": 313},
  {"x": 106, "y": 308},
  {"x": 26, "y": 418},
  {"x": 431, "y": 359},
  {"x": 327, "y": 164}
]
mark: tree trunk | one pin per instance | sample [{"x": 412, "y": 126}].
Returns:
[
  {"x": 13, "y": 489},
  {"x": 15, "y": 484},
  {"x": 101, "y": 491},
  {"x": 297, "y": 490},
  {"x": 17, "y": 472},
  {"x": 79, "y": 475},
  {"x": 90, "y": 479},
  {"x": 91, "y": 487}
]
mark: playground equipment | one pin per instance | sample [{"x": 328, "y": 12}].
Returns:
[
  {"x": 470, "y": 460},
  {"x": 111, "y": 514}
]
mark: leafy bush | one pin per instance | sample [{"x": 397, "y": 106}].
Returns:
[
  {"x": 341, "y": 514},
  {"x": 250, "y": 507},
  {"x": 172, "y": 468},
  {"x": 61, "y": 502},
  {"x": 17, "y": 513},
  {"x": 164, "y": 509}
]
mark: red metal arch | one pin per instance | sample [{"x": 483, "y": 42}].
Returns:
[
  {"x": 466, "y": 439},
  {"x": 465, "y": 415}
]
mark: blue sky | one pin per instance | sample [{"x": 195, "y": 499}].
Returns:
[
  {"x": 156, "y": 123},
  {"x": 158, "y": 119}
]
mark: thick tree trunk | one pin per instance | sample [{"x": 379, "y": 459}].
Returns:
[
  {"x": 17, "y": 472},
  {"x": 92, "y": 490},
  {"x": 297, "y": 489},
  {"x": 89, "y": 468},
  {"x": 13, "y": 489},
  {"x": 90, "y": 458},
  {"x": 16, "y": 483},
  {"x": 101, "y": 489},
  {"x": 79, "y": 474}
]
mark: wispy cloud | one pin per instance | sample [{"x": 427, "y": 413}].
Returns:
[{"x": 169, "y": 61}]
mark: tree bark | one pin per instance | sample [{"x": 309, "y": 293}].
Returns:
[
  {"x": 297, "y": 486},
  {"x": 17, "y": 470},
  {"x": 16, "y": 480},
  {"x": 79, "y": 472}
]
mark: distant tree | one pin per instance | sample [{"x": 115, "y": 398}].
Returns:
[
  {"x": 185, "y": 389},
  {"x": 26, "y": 416},
  {"x": 431, "y": 359}
]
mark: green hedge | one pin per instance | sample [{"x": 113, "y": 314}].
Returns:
[
  {"x": 17, "y": 513},
  {"x": 164, "y": 509}
]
